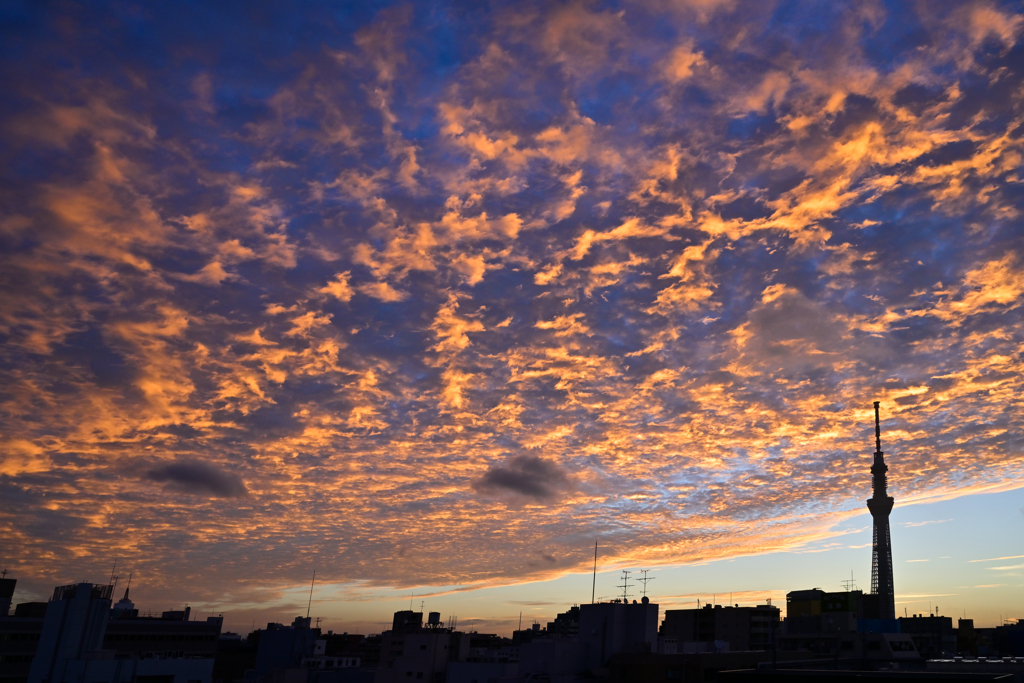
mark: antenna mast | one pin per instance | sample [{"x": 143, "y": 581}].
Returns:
[
  {"x": 593, "y": 589},
  {"x": 645, "y": 579},
  {"x": 308, "y": 606},
  {"x": 625, "y": 585}
]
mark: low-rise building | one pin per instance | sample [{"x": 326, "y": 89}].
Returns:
[
  {"x": 933, "y": 635},
  {"x": 608, "y": 628},
  {"x": 743, "y": 628},
  {"x": 412, "y": 653}
]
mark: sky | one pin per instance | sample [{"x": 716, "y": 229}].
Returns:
[{"x": 429, "y": 298}]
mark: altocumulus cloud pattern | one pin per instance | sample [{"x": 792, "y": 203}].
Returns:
[{"x": 483, "y": 281}]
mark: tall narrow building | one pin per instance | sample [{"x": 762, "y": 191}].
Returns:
[{"x": 880, "y": 505}]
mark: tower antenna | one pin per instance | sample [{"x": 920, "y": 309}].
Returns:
[
  {"x": 878, "y": 431},
  {"x": 593, "y": 588},
  {"x": 113, "y": 570},
  {"x": 310, "y": 604}
]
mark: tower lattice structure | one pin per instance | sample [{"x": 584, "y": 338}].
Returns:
[{"x": 880, "y": 505}]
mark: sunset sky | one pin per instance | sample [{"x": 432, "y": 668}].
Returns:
[{"x": 430, "y": 297}]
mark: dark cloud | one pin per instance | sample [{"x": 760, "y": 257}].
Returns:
[
  {"x": 526, "y": 475},
  {"x": 199, "y": 478}
]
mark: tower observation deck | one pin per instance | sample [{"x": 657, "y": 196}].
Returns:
[{"x": 880, "y": 505}]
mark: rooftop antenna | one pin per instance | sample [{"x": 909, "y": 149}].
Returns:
[
  {"x": 129, "y": 586},
  {"x": 593, "y": 589},
  {"x": 849, "y": 584},
  {"x": 3, "y": 574},
  {"x": 625, "y": 585},
  {"x": 645, "y": 579},
  {"x": 411, "y": 596},
  {"x": 113, "y": 570},
  {"x": 310, "y": 604}
]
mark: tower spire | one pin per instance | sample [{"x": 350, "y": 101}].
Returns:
[
  {"x": 880, "y": 505},
  {"x": 878, "y": 431}
]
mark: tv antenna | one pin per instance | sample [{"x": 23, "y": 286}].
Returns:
[
  {"x": 644, "y": 579},
  {"x": 310, "y": 604},
  {"x": 625, "y": 585},
  {"x": 849, "y": 584}
]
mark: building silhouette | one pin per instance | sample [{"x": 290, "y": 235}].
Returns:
[
  {"x": 73, "y": 628},
  {"x": 743, "y": 628},
  {"x": 77, "y": 638},
  {"x": 411, "y": 652},
  {"x": 282, "y": 648},
  {"x": 880, "y": 505},
  {"x": 608, "y": 628}
]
